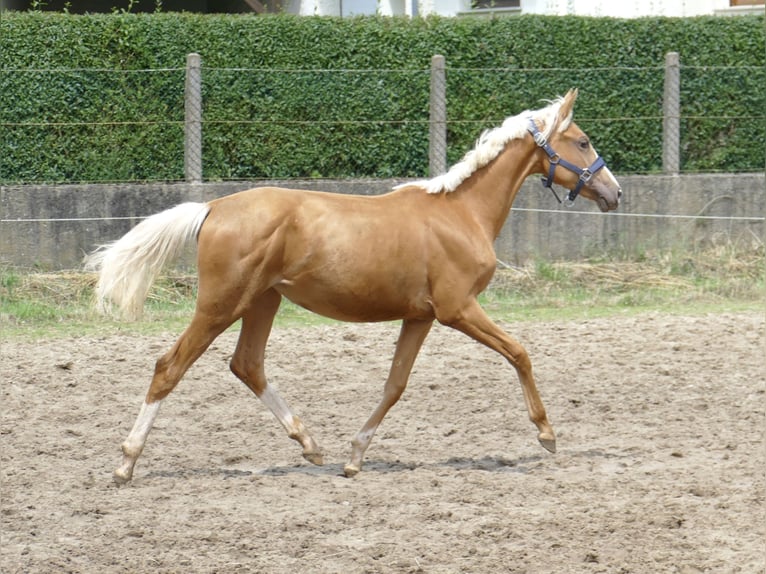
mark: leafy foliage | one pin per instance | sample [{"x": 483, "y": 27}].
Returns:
[{"x": 288, "y": 96}]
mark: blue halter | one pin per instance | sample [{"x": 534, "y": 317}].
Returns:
[{"x": 555, "y": 160}]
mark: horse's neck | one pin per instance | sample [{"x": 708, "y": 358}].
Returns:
[{"x": 489, "y": 193}]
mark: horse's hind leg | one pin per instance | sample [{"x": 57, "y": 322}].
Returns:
[
  {"x": 248, "y": 365},
  {"x": 411, "y": 338},
  {"x": 167, "y": 373}
]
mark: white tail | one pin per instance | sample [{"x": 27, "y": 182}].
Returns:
[{"x": 128, "y": 267}]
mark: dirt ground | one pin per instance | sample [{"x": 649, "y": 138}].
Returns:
[{"x": 660, "y": 423}]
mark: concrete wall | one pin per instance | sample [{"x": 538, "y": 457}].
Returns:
[{"x": 52, "y": 227}]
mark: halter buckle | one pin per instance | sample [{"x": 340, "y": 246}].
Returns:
[{"x": 540, "y": 139}]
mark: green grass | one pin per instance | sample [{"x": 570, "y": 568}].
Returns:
[
  {"x": 38, "y": 305},
  {"x": 44, "y": 305}
]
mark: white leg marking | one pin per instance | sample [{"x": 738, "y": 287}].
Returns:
[
  {"x": 363, "y": 438},
  {"x": 293, "y": 425},
  {"x": 134, "y": 444},
  {"x": 279, "y": 407},
  {"x": 137, "y": 437}
]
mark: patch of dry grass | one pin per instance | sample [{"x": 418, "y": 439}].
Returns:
[{"x": 718, "y": 272}]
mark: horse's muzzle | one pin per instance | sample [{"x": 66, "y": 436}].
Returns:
[{"x": 606, "y": 204}]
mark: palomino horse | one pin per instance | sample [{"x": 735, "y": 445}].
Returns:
[{"x": 420, "y": 253}]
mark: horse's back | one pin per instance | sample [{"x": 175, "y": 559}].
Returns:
[
  {"x": 266, "y": 207},
  {"x": 264, "y": 196}
]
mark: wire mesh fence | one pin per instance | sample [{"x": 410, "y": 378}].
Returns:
[
  {"x": 91, "y": 125},
  {"x": 262, "y": 123},
  {"x": 196, "y": 123}
]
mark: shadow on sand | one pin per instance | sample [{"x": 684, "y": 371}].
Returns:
[{"x": 521, "y": 465}]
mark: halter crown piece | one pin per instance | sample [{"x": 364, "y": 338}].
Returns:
[{"x": 555, "y": 160}]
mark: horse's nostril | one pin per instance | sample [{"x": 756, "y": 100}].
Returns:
[{"x": 619, "y": 193}]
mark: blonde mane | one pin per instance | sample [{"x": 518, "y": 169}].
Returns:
[{"x": 490, "y": 144}]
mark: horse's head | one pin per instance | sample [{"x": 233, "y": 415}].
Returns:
[{"x": 568, "y": 158}]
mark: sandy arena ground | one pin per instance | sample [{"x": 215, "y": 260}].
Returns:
[{"x": 660, "y": 468}]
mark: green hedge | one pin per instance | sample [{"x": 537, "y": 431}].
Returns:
[{"x": 288, "y": 96}]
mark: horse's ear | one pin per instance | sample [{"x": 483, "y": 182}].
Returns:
[
  {"x": 566, "y": 110},
  {"x": 569, "y": 101}
]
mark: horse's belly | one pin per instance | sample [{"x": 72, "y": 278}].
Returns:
[{"x": 361, "y": 305}]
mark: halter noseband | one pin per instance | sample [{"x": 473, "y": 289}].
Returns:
[{"x": 555, "y": 160}]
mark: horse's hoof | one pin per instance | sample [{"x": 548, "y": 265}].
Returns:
[
  {"x": 351, "y": 470},
  {"x": 314, "y": 457},
  {"x": 548, "y": 442},
  {"x": 122, "y": 476}
]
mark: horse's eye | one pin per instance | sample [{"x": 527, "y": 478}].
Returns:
[{"x": 583, "y": 143}]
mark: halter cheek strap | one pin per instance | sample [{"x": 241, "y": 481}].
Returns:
[{"x": 555, "y": 160}]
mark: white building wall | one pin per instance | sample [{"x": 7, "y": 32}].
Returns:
[
  {"x": 423, "y": 7},
  {"x": 314, "y": 7},
  {"x": 610, "y": 8},
  {"x": 359, "y": 7},
  {"x": 623, "y": 8},
  {"x": 398, "y": 8}
]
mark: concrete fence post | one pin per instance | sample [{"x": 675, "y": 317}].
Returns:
[
  {"x": 193, "y": 119},
  {"x": 437, "y": 132},
  {"x": 671, "y": 115}
]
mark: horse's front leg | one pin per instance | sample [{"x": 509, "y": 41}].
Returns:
[
  {"x": 411, "y": 338},
  {"x": 474, "y": 322}
]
